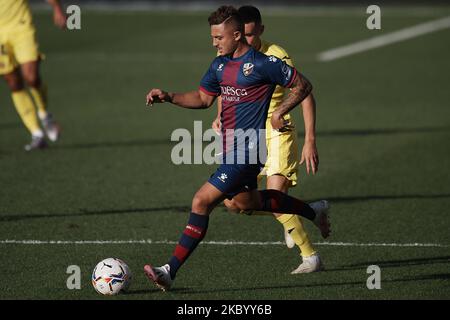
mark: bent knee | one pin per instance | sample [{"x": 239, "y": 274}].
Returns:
[
  {"x": 14, "y": 81},
  {"x": 32, "y": 80},
  {"x": 200, "y": 203}
]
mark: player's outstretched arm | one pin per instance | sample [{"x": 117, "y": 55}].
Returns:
[
  {"x": 191, "y": 100},
  {"x": 310, "y": 155},
  {"x": 300, "y": 89},
  {"x": 59, "y": 17}
]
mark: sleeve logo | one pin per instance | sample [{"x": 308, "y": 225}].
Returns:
[{"x": 287, "y": 71}]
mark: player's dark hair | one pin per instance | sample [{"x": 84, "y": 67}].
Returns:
[
  {"x": 229, "y": 14},
  {"x": 250, "y": 14}
]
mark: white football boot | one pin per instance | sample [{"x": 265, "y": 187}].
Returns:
[
  {"x": 288, "y": 239},
  {"x": 321, "y": 221},
  {"x": 37, "y": 142},
  {"x": 51, "y": 128},
  {"x": 309, "y": 264},
  {"x": 159, "y": 275}
]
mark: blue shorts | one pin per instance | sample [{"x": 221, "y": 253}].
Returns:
[{"x": 232, "y": 179}]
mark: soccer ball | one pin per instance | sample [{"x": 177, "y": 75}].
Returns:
[{"x": 111, "y": 276}]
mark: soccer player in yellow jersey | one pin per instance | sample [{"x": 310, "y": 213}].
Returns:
[
  {"x": 283, "y": 159},
  {"x": 19, "y": 65}
]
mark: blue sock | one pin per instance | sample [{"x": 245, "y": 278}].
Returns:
[{"x": 192, "y": 235}]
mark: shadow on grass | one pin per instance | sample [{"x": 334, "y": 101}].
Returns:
[
  {"x": 166, "y": 140},
  {"x": 10, "y": 125},
  {"x": 381, "y": 131},
  {"x": 362, "y": 284},
  {"x": 184, "y": 209},
  {"x": 156, "y": 290},
  {"x": 384, "y": 197},
  {"x": 113, "y": 144},
  {"x": 395, "y": 263},
  {"x": 82, "y": 212}
]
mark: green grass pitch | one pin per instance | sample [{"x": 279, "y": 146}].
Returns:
[{"x": 383, "y": 137}]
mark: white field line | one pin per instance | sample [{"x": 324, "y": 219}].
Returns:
[
  {"x": 386, "y": 39},
  {"x": 218, "y": 243}
]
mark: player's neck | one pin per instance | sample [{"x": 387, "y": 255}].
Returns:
[
  {"x": 240, "y": 50},
  {"x": 258, "y": 45}
]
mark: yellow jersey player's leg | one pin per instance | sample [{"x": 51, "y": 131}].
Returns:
[
  {"x": 17, "y": 36},
  {"x": 22, "y": 101},
  {"x": 283, "y": 157},
  {"x": 27, "y": 55},
  {"x": 281, "y": 170}
]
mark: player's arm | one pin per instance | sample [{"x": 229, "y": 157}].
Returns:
[
  {"x": 309, "y": 151},
  {"x": 310, "y": 154},
  {"x": 202, "y": 98},
  {"x": 191, "y": 100},
  {"x": 59, "y": 17},
  {"x": 300, "y": 89},
  {"x": 216, "y": 125}
]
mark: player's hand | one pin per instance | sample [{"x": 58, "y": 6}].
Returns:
[
  {"x": 157, "y": 96},
  {"x": 279, "y": 124},
  {"x": 59, "y": 18},
  {"x": 217, "y": 126},
  {"x": 310, "y": 156}
]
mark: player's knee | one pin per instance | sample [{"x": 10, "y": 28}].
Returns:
[
  {"x": 32, "y": 79},
  {"x": 14, "y": 82},
  {"x": 200, "y": 203}
]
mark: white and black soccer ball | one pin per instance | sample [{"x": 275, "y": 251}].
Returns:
[{"x": 111, "y": 276}]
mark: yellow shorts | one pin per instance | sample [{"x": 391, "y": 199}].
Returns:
[
  {"x": 17, "y": 46},
  {"x": 282, "y": 154}
]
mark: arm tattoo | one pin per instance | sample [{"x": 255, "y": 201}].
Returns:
[{"x": 299, "y": 91}]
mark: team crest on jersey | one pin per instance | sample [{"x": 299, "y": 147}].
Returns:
[
  {"x": 247, "y": 69},
  {"x": 220, "y": 67}
]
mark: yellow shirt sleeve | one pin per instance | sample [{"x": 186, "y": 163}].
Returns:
[
  {"x": 271, "y": 49},
  {"x": 279, "y": 52}
]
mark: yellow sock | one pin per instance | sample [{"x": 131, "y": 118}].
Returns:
[
  {"x": 298, "y": 234},
  {"x": 40, "y": 99},
  {"x": 27, "y": 112}
]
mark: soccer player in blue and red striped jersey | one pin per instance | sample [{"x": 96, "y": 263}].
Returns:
[{"x": 245, "y": 79}]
